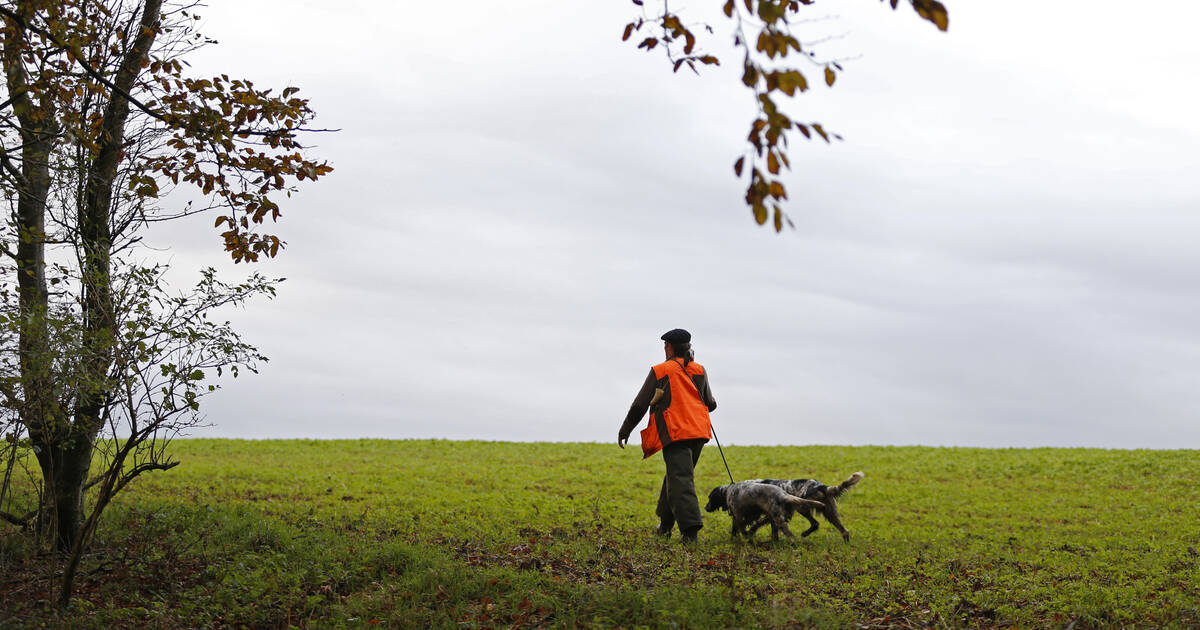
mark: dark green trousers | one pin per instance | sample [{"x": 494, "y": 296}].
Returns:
[{"x": 677, "y": 502}]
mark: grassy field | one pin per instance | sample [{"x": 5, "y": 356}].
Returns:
[{"x": 403, "y": 534}]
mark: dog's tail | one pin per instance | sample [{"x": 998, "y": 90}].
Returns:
[
  {"x": 798, "y": 502},
  {"x": 838, "y": 490}
]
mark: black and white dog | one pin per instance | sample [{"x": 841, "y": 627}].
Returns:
[
  {"x": 748, "y": 501},
  {"x": 823, "y": 497}
]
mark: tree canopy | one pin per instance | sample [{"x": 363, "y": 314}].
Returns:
[{"x": 99, "y": 120}]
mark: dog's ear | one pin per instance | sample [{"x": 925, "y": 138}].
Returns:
[{"x": 716, "y": 499}]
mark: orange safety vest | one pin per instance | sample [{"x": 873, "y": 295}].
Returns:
[{"x": 680, "y": 414}]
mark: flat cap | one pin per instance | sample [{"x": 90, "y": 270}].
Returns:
[{"x": 677, "y": 335}]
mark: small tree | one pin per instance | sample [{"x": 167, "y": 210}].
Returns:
[{"x": 97, "y": 122}]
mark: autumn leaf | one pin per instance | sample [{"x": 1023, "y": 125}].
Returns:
[
  {"x": 829, "y": 76},
  {"x": 750, "y": 77},
  {"x": 760, "y": 213},
  {"x": 933, "y": 11}
]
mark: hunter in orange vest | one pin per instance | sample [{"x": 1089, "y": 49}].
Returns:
[{"x": 677, "y": 394}]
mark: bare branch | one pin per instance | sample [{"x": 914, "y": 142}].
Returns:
[{"x": 19, "y": 521}]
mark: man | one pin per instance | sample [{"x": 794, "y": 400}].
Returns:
[{"x": 678, "y": 396}]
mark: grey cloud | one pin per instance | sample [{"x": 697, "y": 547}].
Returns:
[{"x": 992, "y": 258}]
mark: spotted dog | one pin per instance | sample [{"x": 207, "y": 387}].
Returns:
[
  {"x": 748, "y": 501},
  {"x": 824, "y": 497}
]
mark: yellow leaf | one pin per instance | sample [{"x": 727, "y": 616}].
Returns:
[
  {"x": 772, "y": 163},
  {"x": 760, "y": 213},
  {"x": 941, "y": 19}
]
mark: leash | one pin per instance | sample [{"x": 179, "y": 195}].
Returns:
[{"x": 721, "y": 451}]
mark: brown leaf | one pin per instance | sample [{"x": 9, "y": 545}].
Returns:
[
  {"x": 772, "y": 163},
  {"x": 760, "y": 213},
  {"x": 829, "y": 76},
  {"x": 628, "y": 31},
  {"x": 737, "y": 168},
  {"x": 729, "y": 9},
  {"x": 648, "y": 43},
  {"x": 933, "y": 11},
  {"x": 750, "y": 77}
]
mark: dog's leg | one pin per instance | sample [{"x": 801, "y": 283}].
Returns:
[
  {"x": 779, "y": 518},
  {"x": 831, "y": 515},
  {"x": 739, "y": 526},
  {"x": 758, "y": 524},
  {"x": 781, "y": 525},
  {"x": 812, "y": 523}
]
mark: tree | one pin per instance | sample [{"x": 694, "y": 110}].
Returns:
[
  {"x": 98, "y": 121},
  {"x": 768, "y": 24}
]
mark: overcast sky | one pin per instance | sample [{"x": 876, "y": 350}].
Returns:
[{"x": 1003, "y": 252}]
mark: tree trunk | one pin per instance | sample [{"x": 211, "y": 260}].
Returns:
[
  {"x": 38, "y": 136},
  {"x": 65, "y": 468},
  {"x": 64, "y": 446},
  {"x": 96, "y": 233},
  {"x": 96, "y": 242}
]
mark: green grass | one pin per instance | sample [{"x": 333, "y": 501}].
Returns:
[{"x": 399, "y": 534}]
